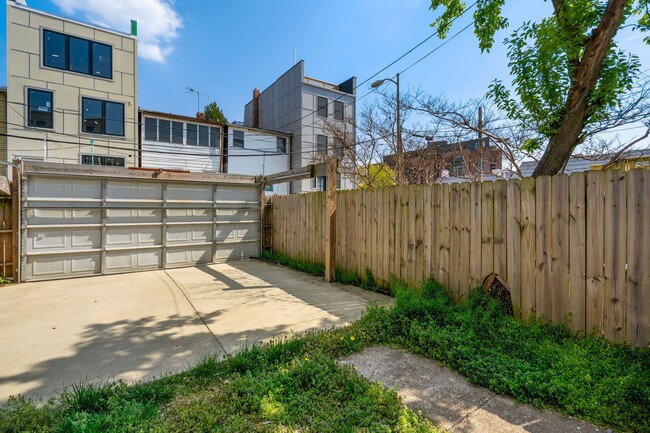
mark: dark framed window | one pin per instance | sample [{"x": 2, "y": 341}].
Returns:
[
  {"x": 281, "y": 145},
  {"x": 112, "y": 161},
  {"x": 339, "y": 109},
  {"x": 150, "y": 129},
  {"x": 321, "y": 183},
  {"x": 322, "y": 106},
  {"x": 164, "y": 131},
  {"x": 40, "y": 114},
  {"x": 102, "y": 117},
  {"x": 71, "y": 53},
  {"x": 321, "y": 143},
  {"x": 204, "y": 135},
  {"x": 237, "y": 138},
  {"x": 79, "y": 55},
  {"x": 337, "y": 148},
  {"x": 192, "y": 134},
  {"x": 177, "y": 132},
  {"x": 54, "y": 50},
  {"x": 215, "y": 136}
]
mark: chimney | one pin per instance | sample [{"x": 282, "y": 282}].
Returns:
[{"x": 256, "y": 108}]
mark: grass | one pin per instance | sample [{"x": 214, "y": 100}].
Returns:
[
  {"x": 297, "y": 385},
  {"x": 285, "y": 386}
]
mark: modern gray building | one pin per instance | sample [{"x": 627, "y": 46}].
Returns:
[{"x": 304, "y": 107}]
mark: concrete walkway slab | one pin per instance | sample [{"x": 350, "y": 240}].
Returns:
[
  {"x": 451, "y": 402},
  {"x": 142, "y": 325}
]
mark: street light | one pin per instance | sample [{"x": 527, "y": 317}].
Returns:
[{"x": 400, "y": 148}]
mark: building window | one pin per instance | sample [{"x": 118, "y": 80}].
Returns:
[
  {"x": 215, "y": 137},
  {"x": 237, "y": 138},
  {"x": 337, "y": 148},
  {"x": 177, "y": 132},
  {"x": 204, "y": 136},
  {"x": 150, "y": 129},
  {"x": 456, "y": 166},
  {"x": 268, "y": 188},
  {"x": 40, "y": 113},
  {"x": 493, "y": 167},
  {"x": 192, "y": 134},
  {"x": 322, "y": 107},
  {"x": 321, "y": 143},
  {"x": 321, "y": 183},
  {"x": 102, "y": 117},
  {"x": 281, "y": 145},
  {"x": 338, "y": 110},
  {"x": 71, "y": 53},
  {"x": 164, "y": 131},
  {"x": 112, "y": 161}
]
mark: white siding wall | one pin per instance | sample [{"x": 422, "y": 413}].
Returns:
[
  {"x": 193, "y": 158},
  {"x": 258, "y": 156}
]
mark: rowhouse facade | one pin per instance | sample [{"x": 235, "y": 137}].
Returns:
[{"x": 71, "y": 90}]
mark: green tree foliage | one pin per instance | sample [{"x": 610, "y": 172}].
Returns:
[
  {"x": 568, "y": 73},
  {"x": 375, "y": 176},
  {"x": 213, "y": 112}
]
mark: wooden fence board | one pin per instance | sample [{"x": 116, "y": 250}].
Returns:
[
  {"x": 444, "y": 230},
  {"x": 577, "y": 250},
  {"x": 513, "y": 242},
  {"x": 420, "y": 258},
  {"x": 500, "y": 221},
  {"x": 595, "y": 252},
  {"x": 543, "y": 219},
  {"x": 487, "y": 228},
  {"x": 435, "y": 232},
  {"x": 615, "y": 256},
  {"x": 465, "y": 202},
  {"x": 528, "y": 248},
  {"x": 559, "y": 293},
  {"x": 427, "y": 223},
  {"x": 454, "y": 239},
  {"x": 476, "y": 278},
  {"x": 638, "y": 252}
]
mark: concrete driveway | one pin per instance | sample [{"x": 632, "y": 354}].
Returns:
[{"x": 143, "y": 325}]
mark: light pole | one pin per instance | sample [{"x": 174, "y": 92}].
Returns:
[{"x": 400, "y": 148}]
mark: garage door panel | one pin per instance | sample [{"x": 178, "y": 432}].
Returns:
[
  {"x": 127, "y": 216},
  {"x": 61, "y": 188},
  {"x": 189, "y": 256},
  {"x": 51, "y": 240},
  {"x": 235, "y": 251},
  {"x": 133, "y": 190},
  {"x": 133, "y": 236},
  {"x": 237, "y": 231},
  {"x": 232, "y": 193},
  {"x": 183, "y": 191},
  {"x": 189, "y": 215},
  {"x": 57, "y": 266},
  {"x": 238, "y": 214},
  {"x": 133, "y": 260},
  {"x": 189, "y": 233},
  {"x": 62, "y": 216}
]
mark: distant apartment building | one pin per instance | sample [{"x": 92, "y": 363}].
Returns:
[
  {"x": 71, "y": 90},
  {"x": 174, "y": 142},
  {"x": 308, "y": 109},
  {"x": 449, "y": 161}
]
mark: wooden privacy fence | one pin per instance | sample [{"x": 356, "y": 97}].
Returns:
[{"x": 574, "y": 247}]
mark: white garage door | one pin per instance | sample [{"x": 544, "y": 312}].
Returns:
[{"x": 75, "y": 226}]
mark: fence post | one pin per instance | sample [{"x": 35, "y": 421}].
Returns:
[{"x": 330, "y": 222}]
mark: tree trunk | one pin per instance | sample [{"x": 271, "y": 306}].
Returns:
[{"x": 561, "y": 145}]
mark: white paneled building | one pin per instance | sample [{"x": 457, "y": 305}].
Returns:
[
  {"x": 173, "y": 142},
  {"x": 257, "y": 152}
]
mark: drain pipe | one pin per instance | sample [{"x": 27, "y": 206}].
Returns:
[{"x": 18, "y": 229}]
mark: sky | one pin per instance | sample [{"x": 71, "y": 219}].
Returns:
[{"x": 226, "y": 48}]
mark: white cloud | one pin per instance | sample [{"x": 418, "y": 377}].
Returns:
[{"x": 158, "y": 22}]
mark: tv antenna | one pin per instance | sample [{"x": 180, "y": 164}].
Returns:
[{"x": 199, "y": 94}]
